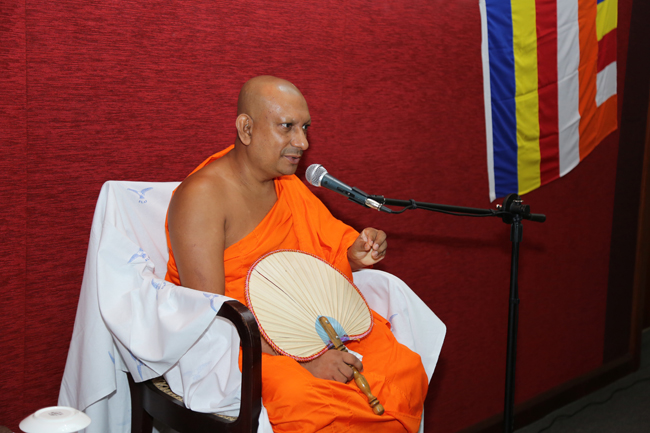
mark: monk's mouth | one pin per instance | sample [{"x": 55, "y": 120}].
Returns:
[{"x": 293, "y": 159}]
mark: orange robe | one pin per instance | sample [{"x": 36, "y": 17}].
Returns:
[{"x": 295, "y": 400}]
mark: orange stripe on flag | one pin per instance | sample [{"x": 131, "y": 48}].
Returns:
[
  {"x": 587, "y": 73},
  {"x": 595, "y": 122}
]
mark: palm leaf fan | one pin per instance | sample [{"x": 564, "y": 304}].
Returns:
[{"x": 288, "y": 291}]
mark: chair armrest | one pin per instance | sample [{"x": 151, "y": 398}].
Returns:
[{"x": 251, "y": 345}]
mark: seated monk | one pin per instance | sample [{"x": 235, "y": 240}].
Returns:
[{"x": 244, "y": 202}]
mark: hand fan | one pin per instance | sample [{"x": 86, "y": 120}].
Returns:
[{"x": 289, "y": 291}]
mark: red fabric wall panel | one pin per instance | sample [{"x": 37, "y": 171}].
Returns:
[
  {"x": 13, "y": 202},
  {"x": 123, "y": 90}
]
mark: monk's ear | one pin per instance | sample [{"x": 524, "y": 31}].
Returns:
[{"x": 244, "y": 125}]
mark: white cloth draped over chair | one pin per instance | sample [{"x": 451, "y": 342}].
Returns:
[{"x": 130, "y": 319}]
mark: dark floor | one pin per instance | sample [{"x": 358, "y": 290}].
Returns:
[{"x": 625, "y": 407}]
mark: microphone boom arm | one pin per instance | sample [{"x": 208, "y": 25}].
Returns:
[{"x": 511, "y": 205}]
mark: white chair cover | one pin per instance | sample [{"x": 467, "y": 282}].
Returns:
[{"x": 130, "y": 319}]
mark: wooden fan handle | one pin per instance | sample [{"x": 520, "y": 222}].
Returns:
[{"x": 361, "y": 381}]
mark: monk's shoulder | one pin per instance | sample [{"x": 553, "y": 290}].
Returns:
[{"x": 204, "y": 192}]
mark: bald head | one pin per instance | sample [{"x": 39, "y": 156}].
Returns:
[
  {"x": 272, "y": 122},
  {"x": 257, "y": 93}
]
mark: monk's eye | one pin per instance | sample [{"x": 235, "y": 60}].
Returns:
[
  {"x": 287, "y": 125},
  {"x": 305, "y": 127}
]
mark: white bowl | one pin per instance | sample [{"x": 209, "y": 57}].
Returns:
[{"x": 55, "y": 419}]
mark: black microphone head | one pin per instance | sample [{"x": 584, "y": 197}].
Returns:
[{"x": 315, "y": 173}]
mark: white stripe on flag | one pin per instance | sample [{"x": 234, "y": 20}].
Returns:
[
  {"x": 568, "y": 86},
  {"x": 606, "y": 83},
  {"x": 487, "y": 98}
]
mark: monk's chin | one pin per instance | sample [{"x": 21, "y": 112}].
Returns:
[{"x": 288, "y": 169}]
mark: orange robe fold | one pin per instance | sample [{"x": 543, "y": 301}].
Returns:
[{"x": 295, "y": 400}]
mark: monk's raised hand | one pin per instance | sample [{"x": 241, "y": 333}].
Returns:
[
  {"x": 368, "y": 249},
  {"x": 334, "y": 365}
]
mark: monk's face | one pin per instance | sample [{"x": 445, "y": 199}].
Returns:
[{"x": 280, "y": 131}]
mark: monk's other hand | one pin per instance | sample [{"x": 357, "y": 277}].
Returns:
[
  {"x": 334, "y": 365},
  {"x": 368, "y": 249}
]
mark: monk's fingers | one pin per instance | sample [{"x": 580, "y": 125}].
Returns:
[
  {"x": 363, "y": 241},
  {"x": 352, "y": 360},
  {"x": 362, "y": 244},
  {"x": 376, "y": 239},
  {"x": 369, "y": 234},
  {"x": 380, "y": 252},
  {"x": 378, "y": 257},
  {"x": 380, "y": 240},
  {"x": 341, "y": 372},
  {"x": 346, "y": 372}
]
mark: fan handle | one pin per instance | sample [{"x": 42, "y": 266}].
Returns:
[{"x": 361, "y": 381}]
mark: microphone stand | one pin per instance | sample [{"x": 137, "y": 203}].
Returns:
[{"x": 512, "y": 212}]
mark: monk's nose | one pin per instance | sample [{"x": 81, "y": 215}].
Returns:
[{"x": 300, "y": 140}]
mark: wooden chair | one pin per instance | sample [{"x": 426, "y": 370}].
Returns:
[{"x": 152, "y": 400}]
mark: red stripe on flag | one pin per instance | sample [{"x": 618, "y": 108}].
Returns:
[
  {"x": 546, "y": 23},
  {"x": 607, "y": 50},
  {"x": 587, "y": 76}
]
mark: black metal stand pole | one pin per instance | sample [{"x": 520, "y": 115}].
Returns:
[
  {"x": 512, "y": 212},
  {"x": 516, "y": 232}
]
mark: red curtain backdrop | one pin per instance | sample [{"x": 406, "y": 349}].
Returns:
[{"x": 95, "y": 91}]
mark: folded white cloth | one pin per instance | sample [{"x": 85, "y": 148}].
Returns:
[
  {"x": 412, "y": 322},
  {"x": 130, "y": 319}
]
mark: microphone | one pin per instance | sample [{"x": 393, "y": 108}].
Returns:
[{"x": 318, "y": 176}]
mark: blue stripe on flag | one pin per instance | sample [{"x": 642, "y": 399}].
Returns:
[{"x": 502, "y": 82}]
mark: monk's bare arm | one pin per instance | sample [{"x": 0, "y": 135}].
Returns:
[
  {"x": 197, "y": 221},
  {"x": 197, "y": 233}
]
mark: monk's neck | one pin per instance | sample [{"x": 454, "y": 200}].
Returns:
[{"x": 246, "y": 176}]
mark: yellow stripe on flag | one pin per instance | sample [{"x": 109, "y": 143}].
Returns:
[
  {"x": 606, "y": 17},
  {"x": 526, "y": 96}
]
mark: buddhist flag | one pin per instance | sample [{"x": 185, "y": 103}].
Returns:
[{"x": 549, "y": 70}]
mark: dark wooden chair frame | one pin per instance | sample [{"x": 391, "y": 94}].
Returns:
[{"x": 149, "y": 403}]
